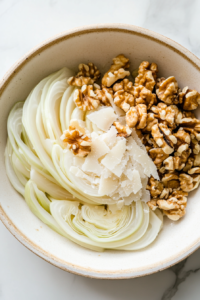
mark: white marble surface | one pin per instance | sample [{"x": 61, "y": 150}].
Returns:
[{"x": 25, "y": 23}]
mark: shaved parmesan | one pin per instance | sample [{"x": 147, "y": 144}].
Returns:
[
  {"x": 79, "y": 125},
  {"x": 107, "y": 185},
  {"x": 98, "y": 149},
  {"x": 103, "y": 118},
  {"x": 132, "y": 186},
  {"x": 110, "y": 137},
  {"x": 142, "y": 158},
  {"x": 138, "y": 140},
  {"x": 114, "y": 157},
  {"x": 78, "y": 173}
]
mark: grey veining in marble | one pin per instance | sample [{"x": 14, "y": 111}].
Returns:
[{"x": 25, "y": 23}]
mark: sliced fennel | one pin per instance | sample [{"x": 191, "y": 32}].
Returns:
[
  {"x": 80, "y": 198},
  {"x": 10, "y": 170}
]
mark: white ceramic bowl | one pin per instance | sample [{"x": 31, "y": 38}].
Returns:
[{"x": 98, "y": 44}]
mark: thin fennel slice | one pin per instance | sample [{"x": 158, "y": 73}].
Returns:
[
  {"x": 155, "y": 224},
  {"x": 32, "y": 197},
  {"x": 10, "y": 171}
]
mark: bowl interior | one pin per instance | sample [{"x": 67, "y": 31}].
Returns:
[{"x": 98, "y": 45}]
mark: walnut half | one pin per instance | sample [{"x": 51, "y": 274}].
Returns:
[
  {"x": 85, "y": 98},
  {"x": 123, "y": 96},
  {"x": 167, "y": 90},
  {"x": 76, "y": 139},
  {"x": 190, "y": 99},
  {"x": 87, "y": 74},
  {"x": 137, "y": 116},
  {"x": 146, "y": 75},
  {"x": 117, "y": 70}
]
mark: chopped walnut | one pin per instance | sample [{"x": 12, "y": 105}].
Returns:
[
  {"x": 173, "y": 163},
  {"x": 155, "y": 187},
  {"x": 123, "y": 96},
  {"x": 85, "y": 98},
  {"x": 151, "y": 121},
  {"x": 195, "y": 170},
  {"x": 195, "y": 146},
  {"x": 189, "y": 182},
  {"x": 144, "y": 96},
  {"x": 189, "y": 164},
  {"x": 192, "y": 125},
  {"x": 125, "y": 85},
  {"x": 146, "y": 75},
  {"x": 190, "y": 99},
  {"x": 183, "y": 141},
  {"x": 123, "y": 131},
  {"x": 137, "y": 116},
  {"x": 152, "y": 204},
  {"x": 171, "y": 180},
  {"x": 174, "y": 207},
  {"x": 104, "y": 95},
  {"x": 165, "y": 193},
  {"x": 171, "y": 115},
  {"x": 197, "y": 160},
  {"x": 158, "y": 156},
  {"x": 77, "y": 140},
  {"x": 117, "y": 70},
  {"x": 87, "y": 74},
  {"x": 164, "y": 138},
  {"x": 167, "y": 90}
]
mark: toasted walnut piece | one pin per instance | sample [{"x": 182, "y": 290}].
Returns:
[
  {"x": 189, "y": 164},
  {"x": 167, "y": 90},
  {"x": 77, "y": 141},
  {"x": 149, "y": 140},
  {"x": 165, "y": 193},
  {"x": 144, "y": 96},
  {"x": 191, "y": 125},
  {"x": 163, "y": 138},
  {"x": 169, "y": 163},
  {"x": 126, "y": 85},
  {"x": 173, "y": 163},
  {"x": 174, "y": 207},
  {"x": 195, "y": 146},
  {"x": 197, "y": 160},
  {"x": 186, "y": 182},
  {"x": 146, "y": 75},
  {"x": 183, "y": 141},
  {"x": 123, "y": 96},
  {"x": 189, "y": 98},
  {"x": 132, "y": 117},
  {"x": 170, "y": 114},
  {"x": 181, "y": 94},
  {"x": 86, "y": 99},
  {"x": 171, "y": 180},
  {"x": 104, "y": 95},
  {"x": 87, "y": 74},
  {"x": 151, "y": 121},
  {"x": 124, "y": 100},
  {"x": 137, "y": 116},
  {"x": 158, "y": 156},
  {"x": 155, "y": 187},
  {"x": 122, "y": 130},
  {"x": 182, "y": 137},
  {"x": 116, "y": 70},
  {"x": 152, "y": 204},
  {"x": 195, "y": 170},
  {"x": 188, "y": 114}
]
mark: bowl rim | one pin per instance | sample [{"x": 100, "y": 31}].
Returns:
[{"x": 67, "y": 266}]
